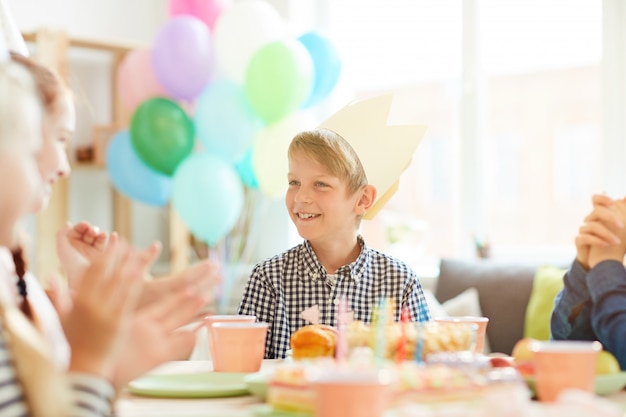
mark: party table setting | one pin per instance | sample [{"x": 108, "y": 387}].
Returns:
[{"x": 381, "y": 369}]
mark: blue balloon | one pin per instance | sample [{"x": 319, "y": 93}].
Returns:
[
  {"x": 326, "y": 63},
  {"x": 225, "y": 120},
  {"x": 131, "y": 177},
  {"x": 245, "y": 169},
  {"x": 208, "y": 196}
]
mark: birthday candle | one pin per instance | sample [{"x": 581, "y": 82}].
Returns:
[
  {"x": 379, "y": 351},
  {"x": 404, "y": 320},
  {"x": 342, "y": 338},
  {"x": 419, "y": 347}
]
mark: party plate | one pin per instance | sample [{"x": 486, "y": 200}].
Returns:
[
  {"x": 190, "y": 385},
  {"x": 257, "y": 384},
  {"x": 267, "y": 410},
  {"x": 605, "y": 384}
]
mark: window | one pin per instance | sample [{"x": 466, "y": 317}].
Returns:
[{"x": 512, "y": 93}]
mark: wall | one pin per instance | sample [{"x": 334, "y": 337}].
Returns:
[{"x": 132, "y": 22}]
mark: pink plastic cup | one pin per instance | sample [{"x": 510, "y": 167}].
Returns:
[
  {"x": 352, "y": 393},
  {"x": 239, "y": 346},
  {"x": 220, "y": 318},
  {"x": 564, "y": 364}
]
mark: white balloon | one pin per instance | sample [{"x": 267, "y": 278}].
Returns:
[
  {"x": 240, "y": 31},
  {"x": 269, "y": 152}
]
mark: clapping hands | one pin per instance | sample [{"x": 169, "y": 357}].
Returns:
[
  {"x": 603, "y": 233},
  {"x": 121, "y": 322}
]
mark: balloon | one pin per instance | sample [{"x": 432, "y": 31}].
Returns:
[
  {"x": 182, "y": 56},
  {"x": 132, "y": 177},
  {"x": 279, "y": 79},
  {"x": 161, "y": 134},
  {"x": 246, "y": 171},
  {"x": 206, "y": 10},
  {"x": 136, "y": 81},
  {"x": 240, "y": 31},
  {"x": 208, "y": 196},
  {"x": 225, "y": 121},
  {"x": 269, "y": 152},
  {"x": 326, "y": 64}
]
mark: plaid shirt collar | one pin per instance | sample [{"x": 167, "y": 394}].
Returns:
[{"x": 314, "y": 270}]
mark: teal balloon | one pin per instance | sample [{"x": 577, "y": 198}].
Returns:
[
  {"x": 279, "y": 79},
  {"x": 245, "y": 169},
  {"x": 326, "y": 64},
  {"x": 225, "y": 121},
  {"x": 208, "y": 196},
  {"x": 131, "y": 177},
  {"x": 162, "y": 134}
]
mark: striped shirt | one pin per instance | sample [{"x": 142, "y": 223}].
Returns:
[
  {"x": 281, "y": 287},
  {"x": 92, "y": 396}
]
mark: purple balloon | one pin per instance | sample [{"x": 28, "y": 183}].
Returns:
[{"x": 182, "y": 56}]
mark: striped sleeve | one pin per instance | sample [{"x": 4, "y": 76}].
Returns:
[
  {"x": 12, "y": 400},
  {"x": 93, "y": 396}
]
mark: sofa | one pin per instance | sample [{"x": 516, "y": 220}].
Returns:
[{"x": 504, "y": 290}]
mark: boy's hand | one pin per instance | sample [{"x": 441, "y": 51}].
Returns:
[
  {"x": 617, "y": 249},
  {"x": 598, "y": 228}
]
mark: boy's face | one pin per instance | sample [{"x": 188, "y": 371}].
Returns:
[{"x": 318, "y": 202}]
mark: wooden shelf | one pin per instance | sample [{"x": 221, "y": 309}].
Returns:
[{"x": 51, "y": 49}]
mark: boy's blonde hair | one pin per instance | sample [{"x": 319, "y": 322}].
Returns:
[{"x": 334, "y": 153}]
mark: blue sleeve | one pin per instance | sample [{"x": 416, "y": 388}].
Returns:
[
  {"x": 607, "y": 286},
  {"x": 259, "y": 299},
  {"x": 571, "y": 315}
]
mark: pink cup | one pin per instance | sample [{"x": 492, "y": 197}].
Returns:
[
  {"x": 563, "y": 364},
  {"x": 221, "y": 318},
  {"x": 352, "y": 393},
  {"x": 239, "y": 346},
  {"x": 481, "y": 332}
]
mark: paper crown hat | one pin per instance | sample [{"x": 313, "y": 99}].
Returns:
[
  {"x": 9, "y": 31},
  {"x": 382, "y": 134}
]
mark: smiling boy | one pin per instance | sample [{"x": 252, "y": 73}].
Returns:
[{"x": 327, "y": 196}]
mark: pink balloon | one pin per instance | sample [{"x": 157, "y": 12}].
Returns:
[
  {"x": 206, "y": 10},
  {"x": 136, "y": 81}
]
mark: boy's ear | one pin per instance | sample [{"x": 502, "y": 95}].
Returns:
[{"x": 368, "y": 196}]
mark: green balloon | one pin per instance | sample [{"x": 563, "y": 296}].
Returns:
[
  {"x": 162, "y": 134},
  {"x": 279, "y": 78}
]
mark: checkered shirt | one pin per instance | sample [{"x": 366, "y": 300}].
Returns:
[{"x": 281, "y": 287}]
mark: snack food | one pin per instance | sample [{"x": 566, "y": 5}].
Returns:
[
  {"x": 313, "y": 341},
  {"x": 428, "y": 337}
]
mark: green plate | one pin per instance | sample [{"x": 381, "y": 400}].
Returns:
[
  {"x": 605, "y": 384},
  {"x": 198, "y": 385},
  {"x": 268, "y": 411},
  {"x": 257, "y": 384}
]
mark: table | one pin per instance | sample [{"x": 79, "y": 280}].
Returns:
[
  {"x": 129, "y": 405},
  {"x": 134, "y": 406}
]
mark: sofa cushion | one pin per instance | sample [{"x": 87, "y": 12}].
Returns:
[
  {"x": 546, "y": 285},
  {"x": 504, "y": 289}
]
